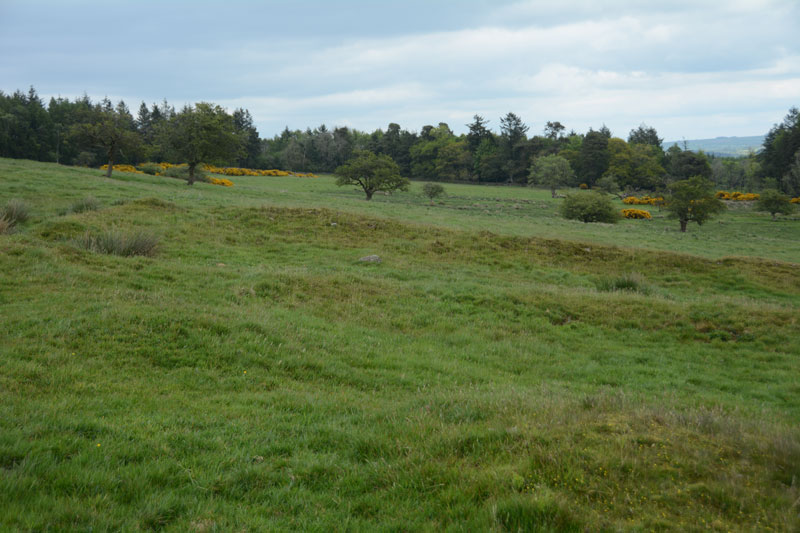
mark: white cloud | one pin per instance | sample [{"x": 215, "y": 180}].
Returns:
[{"x": 691, "y": 66}]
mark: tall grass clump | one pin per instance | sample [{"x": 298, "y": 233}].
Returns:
[
  {"x": 631, "y": 282},
  {"x": 115, "y": 242},
  {"x": 5, "y": 226},
  {"x": 89, "y": 203},
  {"x": 15, "y": 212}
]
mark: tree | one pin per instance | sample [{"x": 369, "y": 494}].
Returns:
[
  {"x": 594, "y": 156},
  {"x": 477, "y": 133},
  {"x": 512, "y": 146},
  {"x": 432, "y": 190},
  {"x": 790, "y": 181},
  {"x": 251, "y": 144},
  {"x": 487, "y": 163},
  {"x": 453, "y": 161},
  {"x": 554, "y": 130},
  {"x": 781, "y": 145},
  {"x": 683, "y": 164},
  {"x": 372, "y": 173},
  {"x": 647, "y": 170},
  {"x": 644, "y": 134},
  {"x": 620, "y": 162},
  {"x": 608, "y": 185},
  {"x": 551, "y": 171},
  {"x": 774, "y": 202},
  {"x": 112, "y": 131},
  {"x": 205, "y": 133},
  {"x": 692, "y": 200}
]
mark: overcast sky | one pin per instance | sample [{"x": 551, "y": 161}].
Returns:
[{"x": 691, "y": 69}]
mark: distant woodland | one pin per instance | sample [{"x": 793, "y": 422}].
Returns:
[{"x": 87, "y": 133}]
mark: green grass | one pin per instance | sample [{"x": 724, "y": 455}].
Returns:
[{"x": 485, "y": 376}]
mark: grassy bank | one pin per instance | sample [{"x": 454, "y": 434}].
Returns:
[{"x": 253, "y": 374}]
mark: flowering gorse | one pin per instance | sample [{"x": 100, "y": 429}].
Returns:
[
  {"x": 122, "y": 168},
  {"x": 737, "y": 196},
  {"x": 644, "y": 200},
  {"x": 636, "y": 213}
]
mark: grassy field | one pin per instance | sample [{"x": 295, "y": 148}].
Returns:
[{"x": 501, "y": 369}]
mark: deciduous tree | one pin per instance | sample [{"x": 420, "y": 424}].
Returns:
[
  {"x": 774, "y": 202},
  {"x": 692, "y": 200},
  {"x": 372, "y": 173},
  {"x": 552, "y": 171},
  {"x": 112, "y": 131},
  {"x": 203, "y": 133}
]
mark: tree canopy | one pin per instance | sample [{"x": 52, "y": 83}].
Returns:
[
  {"x": 551, "y": 171},
  {"x": 372, "y": 172},
  {"x": 774, "y": 202},
  {"x": 203, "y": 133},
  {"x": 693, "y": 200},
  {"x": 782, "y": 152}
]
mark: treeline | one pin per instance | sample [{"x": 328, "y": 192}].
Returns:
[
  {"x": 85, "y": 133},
  {"x": 61, "y": 131}
]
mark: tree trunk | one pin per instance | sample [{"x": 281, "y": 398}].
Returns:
[
  {"x": 191, "y": 174},
  {"x": 553, "y": 192},
  {"x": 110, "y": 167},
  {"x": 369, "y": 194},
  {"x": 683, "y": 225}
]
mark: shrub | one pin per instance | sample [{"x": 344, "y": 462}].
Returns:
[
  {"x": 589, "y": 206},
  {"x": 85, "y": 159},
  {"x": 118, "y": 243},
  {"x": 737, "y": 196},
  {"x": 644, "y": 200},
  {"x": 636, "y": 213},
  {"x": 122, "y": 168},
  {"x": 85, "y": 204},
  {"x": 432, "y": 190},
  {"x": 774, "y": 202},
  {"x": 608, "y": 184},
  {"x": 15, "y": 212},
  {"x": 151, "y": 168},
  {"x": 182, "y": 172}
]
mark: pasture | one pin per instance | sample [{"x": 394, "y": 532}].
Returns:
[{"x": 501, "y": 369}]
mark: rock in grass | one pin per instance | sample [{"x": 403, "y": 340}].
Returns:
[{"x": 370, "y": 259}]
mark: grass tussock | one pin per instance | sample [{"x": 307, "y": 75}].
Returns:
[
  {"x": 630, "y": 282},
  {"x": 15, "y": 212},
  {"x": 83, "y": 205},
  {"x": 116, "y": 242},
  {"x": 5, "y": 226}
]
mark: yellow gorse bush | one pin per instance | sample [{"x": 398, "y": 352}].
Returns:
[
  {"x": 737, "y": 196},
  {"x": 220, "y": 181},
  {"x": 235, "y": 171},
  {"x": 795, "y": 200},
  {"x": 123, "y": 168},
  {"x": 636, "y": 213},
  {"x": 644, "y": 200}
]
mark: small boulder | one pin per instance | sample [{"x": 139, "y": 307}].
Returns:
[{"x": 370, "y": 259}]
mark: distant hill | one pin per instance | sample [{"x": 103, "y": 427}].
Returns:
[{"x": 722, "y": 146}]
